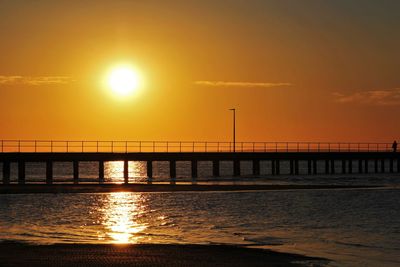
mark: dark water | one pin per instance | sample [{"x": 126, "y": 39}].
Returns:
[{"x": 352, "y": 227}]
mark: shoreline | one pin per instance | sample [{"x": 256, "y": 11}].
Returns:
[
  {"x": 106, "y": 188},
  {"x": 21, "y": 254}
]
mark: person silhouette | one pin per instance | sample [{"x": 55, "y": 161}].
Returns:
[{"x": 394, "y": 146}]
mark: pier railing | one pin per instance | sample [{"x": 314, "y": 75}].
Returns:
[{"x": 36, "y": 146}]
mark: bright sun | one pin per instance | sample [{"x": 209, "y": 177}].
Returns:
[{"x": 124, "y": 80}]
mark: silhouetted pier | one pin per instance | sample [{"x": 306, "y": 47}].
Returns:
[{"x": 330, "y": 155}]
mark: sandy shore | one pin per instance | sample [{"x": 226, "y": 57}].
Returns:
[
  {"x": 15, "y": 254},
  {"x": 102, "y": 188}
]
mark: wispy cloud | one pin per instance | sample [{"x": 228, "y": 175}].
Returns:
[
  {"x": 34, "y": 80},
  {"x": 388, "y": 97},
  {"x": 240, "y": 84}
]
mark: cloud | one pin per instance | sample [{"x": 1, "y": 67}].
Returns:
[
  {"x": 388, "y": 97},
  {"x": 34, "y": 80},
  {"x": 240, "y": 84}
]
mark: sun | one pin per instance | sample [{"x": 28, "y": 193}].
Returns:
[{"x": 124, "y": 80}]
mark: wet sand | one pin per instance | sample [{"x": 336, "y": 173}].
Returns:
[
  {"x": 103, "y": 188},
  {"x": 16, "y": 254}
]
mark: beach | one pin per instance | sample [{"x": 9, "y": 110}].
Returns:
[{"x": 16, "y": 254}]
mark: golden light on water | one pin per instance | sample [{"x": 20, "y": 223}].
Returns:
[
  {"x": 123, "y": 211},
  {"x": 114, "y": 171},
  {"x": 121, "y": 217}
]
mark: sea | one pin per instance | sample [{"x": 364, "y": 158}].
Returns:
[{"x": 350, "y": 227}]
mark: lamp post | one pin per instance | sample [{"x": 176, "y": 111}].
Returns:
[{"x": 234, "y": 129}]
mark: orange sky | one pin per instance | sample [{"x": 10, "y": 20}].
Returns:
[{"x": 294, "y": 70}]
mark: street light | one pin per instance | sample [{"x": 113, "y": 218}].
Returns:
[{"x": 234, "y": 129}]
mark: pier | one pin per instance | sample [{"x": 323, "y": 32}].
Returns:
[{"x": 332, "y": 158}]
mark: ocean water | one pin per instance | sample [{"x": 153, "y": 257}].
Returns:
[{"x": 352, "y": 227}]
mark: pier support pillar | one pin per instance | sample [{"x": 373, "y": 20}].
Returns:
[
  {"x": 366, "y": 169},
  {"x": 101, "y": 171},
  {"x": 343, "y": 166},
  {"x": 309, "y": 168},
  {"x": 256, "y": 167},
  {"x": 126, "y": 171},
  {"x": 382, "y": 165},
  {"x": 350, "y": 166},
  {"x": 326, "y": 166},
  {"x": 296, "y": 167},
  {"x": 278, "y": 167},
  {"x": 149, "y": 167},
  {"x": 194, "y": 169},
  {"x": 273, "y": 169},
  {"x": 391, "y": 162},
  {"x": 49, "y": 172},
  {"x": 376, "y": 165},
  {"x": 215, "y": 168},
  {"x": 332, "y": 166},
  {"x": 291, "y": 167},
  {"x": 236, "y": 167},
  {"x": 360, "y": 170},
  {"x": 75, "y": 164},
  {"x": 6, "y": 172},
  {"x": 172, "y": 170},
  {"x": 398, "y": 165},
  {"x": 315, "y": 169},
  {"x": 21, "y": 172}
]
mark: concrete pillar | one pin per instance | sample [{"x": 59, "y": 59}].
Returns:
[
  {"x": 360, "y": 170},
  {"x": 278, "y": 167},
  {"x": 366, "y": 166},
  {"x": 101, "y": 171},
  {"x": 291, "y": 167},
  {"x": 382, "y": 165},
  {"x": 376, "y": 165},
  {"x": 326, "y": 166},
  {"x": 391, "y": 162},
  {"x": 398, "y": 165},
  {"x": 343, "y": 166},
  {"x": 309, "y": 169},
  {"x": 194, "y": 169},
  {"x": 236, "y": 167},
  {"x": 296, "y": 167},
  {"x": 126, "y": 171},
  {"x": 49, "y": 172},
  {"x": 350, "y": 166},
  {"x": 332, "y": 166},
  {"x": 149, "y": 166},
  {"x": 315, "y": 166},
  {"x": 215, "y": 168},
  {"x": 273, "y": 169},
  {"x": 256, "y": 167},
  {"x": 6, "y": 172},
  {"x": 75, "y": 164},
  {"x": 172, "y": 170},
  {"x": 21, "y": 172}
]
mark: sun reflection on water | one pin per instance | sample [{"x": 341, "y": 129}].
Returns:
[
  {"x": 114, "y": 171},
  {"x": 121, "y": 217}
]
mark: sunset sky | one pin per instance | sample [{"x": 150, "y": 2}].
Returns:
[{"x": 294, "y": 70}]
